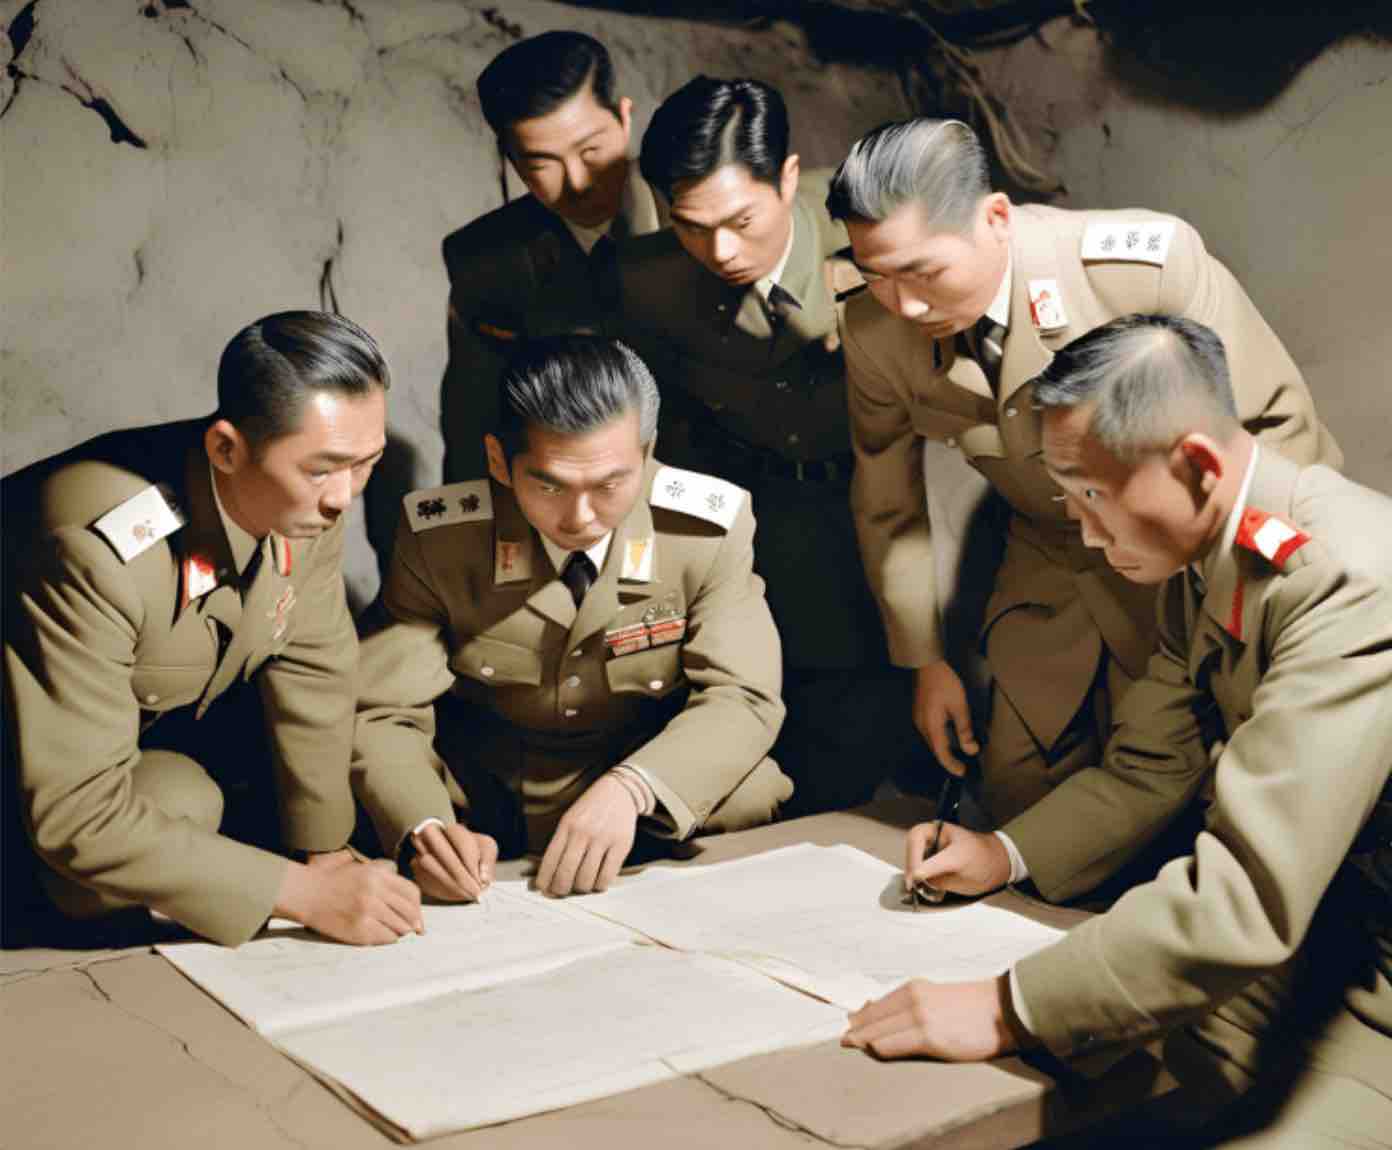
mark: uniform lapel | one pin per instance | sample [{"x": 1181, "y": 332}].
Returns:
[
  {"x": 202, "y": 545},
  {"x": 1024, "y": 355},
  {"x": 601, "y": 602},
  {"x": 258, "y": 620},
  {"x": 546, "y": 594},
  {"x": 804, "y": 278}
]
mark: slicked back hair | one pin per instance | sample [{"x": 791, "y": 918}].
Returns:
[
  {"x": 536, "y": 76},
  {"x": 938, "y": 164},
  {"x": 1149, "y": 380},
  {"x": 572, "y": 385},
  {"x": 707, "y": 124},
  {"x": 273, "y": 367}
]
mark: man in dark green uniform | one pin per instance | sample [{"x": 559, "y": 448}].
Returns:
[
  {"x": 543, "y": 264},
  {"x": 735, "y": 307}
]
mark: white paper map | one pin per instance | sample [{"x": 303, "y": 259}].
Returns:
[{"x": 550, "y": 1003}]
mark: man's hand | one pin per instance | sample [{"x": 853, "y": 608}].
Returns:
[
  {"x": 350, "y": 901},
  {"x": 452, "y": 863},
  {"x": 954, "y": 1022},
  {"x": 939, "y": 697},
  {"x": 966, "y": 862},
  {"x": 592, "y": 840}
]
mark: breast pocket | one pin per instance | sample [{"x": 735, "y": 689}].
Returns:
[
  {"x": 496, "y": 663},
  {"x": 162, "y": 688},
  {"x": 656, "y": 672}
]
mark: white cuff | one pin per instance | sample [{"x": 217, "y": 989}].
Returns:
[
  {"x": 1018, "y": 870},
  {"x": 631, "y": 773},
  {"x": 415, "y": 830}
]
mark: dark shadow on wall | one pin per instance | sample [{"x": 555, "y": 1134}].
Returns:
[{"x": 396, "y": 474}]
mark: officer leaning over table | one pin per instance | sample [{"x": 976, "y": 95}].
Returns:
[
  {"x": 178, "y": 642},
  {"x": 1265, "y": 954},
  {"x": 969, "y": 298},
  {"x": 543, "y": 263},
  {"x": 735, "y": 309},
  {"x": 569, "y": 650}
]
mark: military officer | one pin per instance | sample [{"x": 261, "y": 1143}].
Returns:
[
  {"x": 1267, "y": 953},
  {"x": 969, "y": 298},
  {"x": 592, "y": 626},
  {"x": 735, "y": 309},
  {"x": 162, "y": 566},
  {"x": 545, "y": 263}
]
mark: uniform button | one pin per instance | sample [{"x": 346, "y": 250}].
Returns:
[
  {"x": 795, "y": 438},
  {"x": 571, "y": 712},
  {"x": 486, "y": 672},
  {"x": 951, "y": 441},
  {"x": 655, "y": 684},
  {"x": 152, "y": 698},
  {"x": 572, "y": 681},
  {"x": 1011, "y": 412},
  {"x": 577, "y": 653},
  {"x": 781, "y": 385},
  {"x": 720, "y": 307}
]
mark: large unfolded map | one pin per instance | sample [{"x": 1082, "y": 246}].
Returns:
[{"x": 522, "y": 1003}]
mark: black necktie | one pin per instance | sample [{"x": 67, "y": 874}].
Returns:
[
  {"x": 782, "y": 301},
  {"x": 578, "y": 575},
  {"x": 988, "y": 347}
]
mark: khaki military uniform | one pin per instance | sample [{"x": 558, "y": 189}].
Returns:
[
  {"x": 1276, "y": 664},
  {"x": 671, "y": 664},
  {"x": 1056, "y": 605},
  {"x": 519, "y": 272},
  {"x": 756, "y": 394},
  {"x": 122, "y": 619}
]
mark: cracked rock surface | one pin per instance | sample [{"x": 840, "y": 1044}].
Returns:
[{"x": 175, "y": 168}]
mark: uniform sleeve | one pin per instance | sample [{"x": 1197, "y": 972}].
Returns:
[
  {"x": 404, "y": 668},
  {"x": 307, "y": 692},
  {"x": 733, "y": 660},
  {"x": 1294, "y": 785},
  {"x": 1154, "y": 765},
  {"x": 75, "y": 722},
  {"x": 891, "y": 510},
  {"x": 1273, "y": 401},
  {"x": 469, "y": 391}
]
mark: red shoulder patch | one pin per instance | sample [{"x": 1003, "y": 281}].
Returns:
[{"x": 1269, "y": 536}]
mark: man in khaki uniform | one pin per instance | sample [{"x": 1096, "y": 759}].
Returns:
[
  {"x": 159, "y": 568},
  {"x": 734, "y": 308},
  {"x": 592, "y": 626},
  {"x": 1266, "y": 954},
  {"x": 543, "y": 264},
  {"x": 969, "y": 298}
]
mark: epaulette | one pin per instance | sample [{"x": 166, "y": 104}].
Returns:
[
  {"x": 1272, "y": 538},
  {"x": 1140, "y": 241},
  {"x": 136, "y": 525},
  {"x": 692, "y": 493},
  {"x": 454, "y": 503}
]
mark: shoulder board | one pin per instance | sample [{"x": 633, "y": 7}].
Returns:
[
  {"x": 1137, "y": 241},
  {"x": 454, "y": 503},
  {"x": 692, "y": 493},
  {"x": 140, "y": 522},
  {"x": 1272, "y": 538}
]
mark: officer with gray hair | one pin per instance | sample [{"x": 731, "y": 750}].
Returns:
[
  {"x": 573, "y": 650},
  {"x": 969, "y": 298}
]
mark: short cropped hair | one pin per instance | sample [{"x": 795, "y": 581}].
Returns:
[
  {"x": 708, "y": 124},
  {"x": 271, "y": 369},
  {"x": 1150, "y": 380},
  {"x": 536, "y": 76},
  {"x": 938, "y": 164},
  {"x": 571, "y": 385}
]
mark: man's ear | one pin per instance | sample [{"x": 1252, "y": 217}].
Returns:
[
  {"x": 227, "y": 448},
  {"x": 788, "y": 178},
  {"x": 995, "y": 215},
  {"x": 497, "y": 461},
  {"x": 1199, "y": 458},
  {"x": 626, "y": 118}
]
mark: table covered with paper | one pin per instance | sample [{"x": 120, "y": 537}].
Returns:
[{"x": 522, "y": 1004}]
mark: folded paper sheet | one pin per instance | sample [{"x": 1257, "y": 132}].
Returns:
[{"x": 523, "y": 1004}]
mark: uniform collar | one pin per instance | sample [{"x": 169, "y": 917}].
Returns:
[
  {"x": 637, "y": 216},
  {"x": 764, "y": 284},
  {"x": 242, "y": 543},
  {"x": 558, "y": 555},
  {"x": 999, "y": 311}
]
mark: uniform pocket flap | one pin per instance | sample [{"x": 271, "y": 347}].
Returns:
[
  {"x": 656, "y": 672},
  {"x": 494, "y": 661}
]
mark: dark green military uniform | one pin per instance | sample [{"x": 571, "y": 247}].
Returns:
[
  {"x": 518, "y": 272},
  {"x": 757, "y": 394}
]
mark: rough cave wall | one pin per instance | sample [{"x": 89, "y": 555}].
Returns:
[
  {"x": 173, "y": 169},
  {"x": 1295, "y": 196}
]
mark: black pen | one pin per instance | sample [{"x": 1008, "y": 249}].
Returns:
[{"x": 925, "y": 891}]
